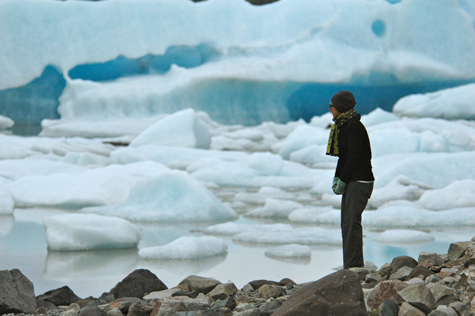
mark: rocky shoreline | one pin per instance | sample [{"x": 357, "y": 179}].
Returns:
[{"x": 434, "y": 285}]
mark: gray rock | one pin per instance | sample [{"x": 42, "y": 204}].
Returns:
[
  {"x": 407, "y": 309},
  {"x": 443, "y": 295},
  {"x": 460, "y": 307},
  {"x": 161, "y": 294},
  {"x": 183, "y": 303},
  {"x": 420, "y": 271},
  {"x": 270, "y": 291},
  {"x": 222, "y": 291},
  {"x": 419, "y": 296},
  {"x": 339, "y": 293},
  {"x": 433, "y": 279},
  {"x": 401, "y": 261},
  {"x": 137, "y": 284},
  {"x": 61, "y": 296},
  {"x": 72, "y": 310},
  {"x": 249, "y": 312},
  {"x": 200, "y": 284},
  {"x": 457, "y": 249},
  {"x": 115, "y": 312},
  {"x": 383, "y": 271},
  {"x": 438, "y": 259},
  {"x": 373, "y": 277},
  {"x": 17, "y": 293},
  {"x": 446, "y": 311},
  {"x": 269, "y": 307},
  {"x": 388, "y": 308},
  {"x": 138, "y": 309},
  {"x": 386, "y": 290},
  {"x": 92, "y": 311},
  {"x": 401, "y": 274},
  {"x": 362, "y": 272},
  {"x": 229, "y": 302}
]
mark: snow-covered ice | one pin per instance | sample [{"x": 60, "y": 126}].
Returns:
[
  {"x": 73, "y": 232},
  {"x": 186, "y": 248}
]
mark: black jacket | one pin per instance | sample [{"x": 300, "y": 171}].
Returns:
[{"x": 354, "y": 161}]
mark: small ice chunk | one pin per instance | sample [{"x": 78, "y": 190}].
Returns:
[
  {"x": 275, "y": 208},
  {"x": 183, "y": 128},
  {"x": 186, "y": 248},
  {"x": 403, "y": 237},
  {"x": 5, "y": 122},
  {"x": 458, "y": 194},
  {"x": 6, "y": 200},
  {"x": 235, "y": 228},
  {"x": 304, "y": 236},
  {"x": 71, "y": 232},
  {"x": 290, "y": 251}
]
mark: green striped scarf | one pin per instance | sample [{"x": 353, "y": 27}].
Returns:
[{"x": 341, "y": 119}]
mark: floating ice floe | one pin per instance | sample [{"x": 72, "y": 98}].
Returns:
[
  {"x": 72, "y": 232},
  {"x": 232, "y": 228},
  {"x": 186, "y": 248},
  {"x": 303, "y": 236},
  {"x": 456, "y": 195},
  {"x": 262, "y": 195},
  {"x": 275, "y": 208},
  {"x": 101, "y": 186},
  {"x": 403, "y": 237},
  {"x": 308, "y": 214},
  {"x": 173, "y": 196},
  {"x": 405, "y": 216},
  {"x": 290, "y": 251},
  {"x": 183, "y": 127}
]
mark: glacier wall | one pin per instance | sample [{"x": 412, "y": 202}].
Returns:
[{"x": 238, "y": 62}]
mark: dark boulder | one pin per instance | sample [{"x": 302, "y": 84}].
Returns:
[
  {"x": 62, "y": 296},
  {"x": 137, "y": 284},
  {"x": 399, "y": 262},
  {"x": 337, "y": 294},
  {"x": 17, "y": 294}
]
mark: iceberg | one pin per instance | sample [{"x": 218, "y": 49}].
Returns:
[
  {"x": 289, "y": 251},
  {"x": 217, "y": 57},
  {"x": 73, "y": 232}
]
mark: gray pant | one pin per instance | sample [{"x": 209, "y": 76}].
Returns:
[{"x": 353, "y": 204}]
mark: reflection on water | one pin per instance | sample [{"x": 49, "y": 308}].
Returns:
[
  {"x": 70, "y": 265},
  {"x": 183, "y": 267}
]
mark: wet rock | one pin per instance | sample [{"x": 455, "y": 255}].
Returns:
[
  {"x": 339, "y": 293},
  {"x": 17, "y": 293},
  {"x": 419, "y": 296},
  {"x": 137, "y": 284},
  {"x": 200, "y": 284}
]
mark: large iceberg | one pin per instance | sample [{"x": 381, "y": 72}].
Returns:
[{"x": 76, "y": 59}]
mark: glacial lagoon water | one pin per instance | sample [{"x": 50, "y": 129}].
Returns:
[{"x": 91, "y": 273}]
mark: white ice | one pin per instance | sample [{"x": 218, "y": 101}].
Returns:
[
  {"x": 5, "y": 122},
  {"x": 275, "y": 208},
  {"x": 302, "y": 236},
  {"x": 173, "y": 196},
  {"x": 73, "y": 232},
  {"x": 232, "y": 228},
  {"x": 186, "y": 248},
  {"x": 290, "y": 251},
  {"x": 403, "y": 237}
]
